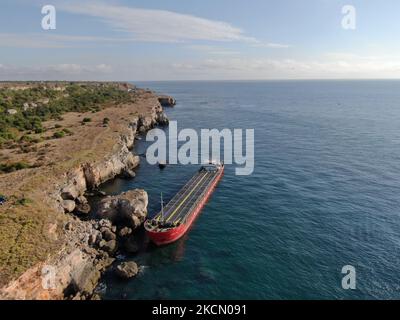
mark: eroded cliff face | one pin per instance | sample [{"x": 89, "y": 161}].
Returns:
[
  {"x": 129, "y": 208},
  {"x": 89, "y": 246},
  {"x": 72, "y": 273},
  {"x": 121, "y": 161}
]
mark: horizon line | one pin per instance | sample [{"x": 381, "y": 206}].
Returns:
[{"x": 211, "y": 80}]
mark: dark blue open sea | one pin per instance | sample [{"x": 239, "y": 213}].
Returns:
[{"x": 324, "y": 194}]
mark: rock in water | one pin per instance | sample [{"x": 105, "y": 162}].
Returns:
[
  {"x": 166, "y": 101},
  {"x": 127, "y": 270},
  {"x": 162, "y": 119},
  {"x": 130, "y": 207},
  {"x": 128, "y": 174}
]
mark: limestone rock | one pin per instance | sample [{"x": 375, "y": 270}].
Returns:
[
  {"x": 166, "y": 101},
  {"x": 128, "y": 174},
  {"x": 68, "y": 205},
  {"x": 117, "y": 163},
  {"x": 75, "y": 186},
  {"x": 82, "y": 208},
  {"x": 105, "y": 223},
  {"x": 127, "y": 270},
  {"x": 110, "y": 247},
  {"x": 109, "y": 235},
  {"x": 125, "y": 232},
  {"x": 130, "y": 207},
  {"x": 81, "y": 200}
]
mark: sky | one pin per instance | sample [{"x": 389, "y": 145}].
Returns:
[{"x": 156, "y": 40}]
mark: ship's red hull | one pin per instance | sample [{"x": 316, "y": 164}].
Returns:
[{"x": 171, "y": 235}]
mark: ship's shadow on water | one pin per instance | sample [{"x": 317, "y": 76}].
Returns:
[{"x": 152, "y": 255}]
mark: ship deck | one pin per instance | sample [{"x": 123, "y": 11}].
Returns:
[{"x": 187, "y": 198}]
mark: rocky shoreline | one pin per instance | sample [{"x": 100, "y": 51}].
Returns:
[{"x": 90, "y": 246}]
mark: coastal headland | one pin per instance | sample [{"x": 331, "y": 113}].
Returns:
[{"x": 50, "y": 162}]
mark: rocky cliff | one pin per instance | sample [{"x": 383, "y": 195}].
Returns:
[{"x": 88, "y": 246}]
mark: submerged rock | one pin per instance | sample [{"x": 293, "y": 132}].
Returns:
[
  {"x": 131, "y": 245},
  {"x": 127, "y": 270},
  {"x": 128, "y": 174}
]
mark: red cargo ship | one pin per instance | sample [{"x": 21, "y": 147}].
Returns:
[{"x": 177, "y": 216}]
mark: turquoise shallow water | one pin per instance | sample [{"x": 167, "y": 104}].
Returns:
[{"x": 324, "y": 194}]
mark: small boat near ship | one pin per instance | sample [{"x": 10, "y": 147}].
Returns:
[
  {"x": 172, "y": 222},
  {"x": 162, "y": 165}
]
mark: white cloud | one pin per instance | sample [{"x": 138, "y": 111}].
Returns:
[
  {"x": 46, "y": 40},
  {"x": 271, "y": 45},
  {"x": 158, "y": 25},
  {"x": 328, "y": 66},
  {"x": 212, "y": 50},
  {"x": 28, "y": 41},
  {"x": 264, "y": 68},
  {"x": 66, "y": 71},
  {"x": 136, "y": 24}
]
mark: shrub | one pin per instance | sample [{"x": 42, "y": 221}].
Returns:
[
  {"x": 67, "y": 131},
  {"x": 86, "y": 120},
  {"x": 76, "y": 98},
  {"x": 106, "y": 120},
  {"x": 58, "y": 134},
  {"x": 23, "y": 201},
  {"x": 11, "y": 167},
  {"x": 25, "y": 138}
]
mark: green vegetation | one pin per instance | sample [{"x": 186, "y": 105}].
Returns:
[
  {"x": 58, "y": 134},
  {"x": 106, "y": 121},
  {"x": 86, "y": 120},
  {"x": 23, "y": 201},
  {"x": 10, "y": 167},
  {"x": 41, "y": 102},
  {"x": 67, "y": 131}
]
